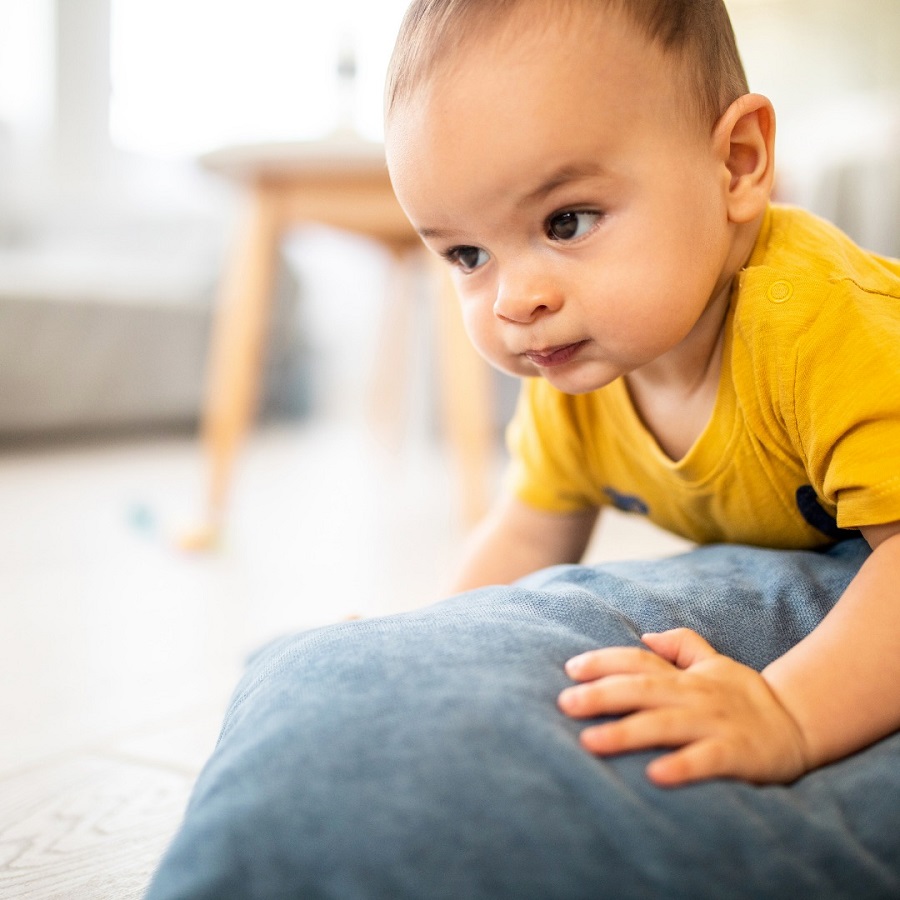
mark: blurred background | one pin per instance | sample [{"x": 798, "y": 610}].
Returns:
[
  {"x": 113, "y": 235},
  {"x": 119, "y": 647}
]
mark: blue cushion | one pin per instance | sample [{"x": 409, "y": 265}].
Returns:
[{"x": 423, "y": 756}]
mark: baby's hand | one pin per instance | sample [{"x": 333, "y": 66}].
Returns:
[{"x": 722, "y": 715}]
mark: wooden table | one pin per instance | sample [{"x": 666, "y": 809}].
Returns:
[{"x": 343, "y": 184}]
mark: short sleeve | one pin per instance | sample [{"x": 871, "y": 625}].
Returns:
[
  {"x": 548, "y": 468},
  {"x": 846, "y": 397}
]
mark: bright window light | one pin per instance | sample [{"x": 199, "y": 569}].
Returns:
[
  {"x": 192, "y": 75},
  {"x": 26, "y": 90}
]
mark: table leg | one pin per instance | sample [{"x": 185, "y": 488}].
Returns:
[
  {"x": 235, "y": 363},
  {"x": 388, "y": 392},
  {"x": 468, "y": 406}
]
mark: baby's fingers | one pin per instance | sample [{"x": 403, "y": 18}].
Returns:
[
  {"x": 617, "y": 694},
  {"x": 696, "y": 762},
  {"x": 612, "y": 661},
  {"x": 680, "y": 646},
  {"x": 697, "y": 758},
  {"x": 645, "y": 730}
]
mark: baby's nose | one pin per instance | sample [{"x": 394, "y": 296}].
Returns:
[{"x": 523, "y": 302}]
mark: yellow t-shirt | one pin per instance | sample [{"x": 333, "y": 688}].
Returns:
[{"x": 804, "y": 439}]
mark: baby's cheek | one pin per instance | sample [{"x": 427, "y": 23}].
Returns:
[
  {"x": 477, "y": 326},
  {"x": 486, "y": 340}
]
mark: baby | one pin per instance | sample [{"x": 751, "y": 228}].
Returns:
[{"x": 598, "y": 179}]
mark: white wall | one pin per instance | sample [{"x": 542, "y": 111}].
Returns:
[
  {"x": 798, "y": 50},
  {"x": 832, "y": 70},
  {"x": 82, "y": 91},
  {"x": 831, "y": 67},
  {"x": 26, "y": 105}
]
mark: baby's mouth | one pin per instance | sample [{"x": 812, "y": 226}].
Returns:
[{"x": 553, "y": 356}]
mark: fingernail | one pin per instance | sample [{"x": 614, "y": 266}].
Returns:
[
  {"x": 575, "y": 663},
  {"x": 568, "y": 697}
]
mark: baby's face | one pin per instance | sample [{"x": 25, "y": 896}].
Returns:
[{"x": 580, "y": 207}]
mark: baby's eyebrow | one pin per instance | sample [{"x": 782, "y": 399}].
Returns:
[
  {"x": 559, "y": 177},
  {"x": 436, "y": 233},
  {"x": 562, "y": 175}
]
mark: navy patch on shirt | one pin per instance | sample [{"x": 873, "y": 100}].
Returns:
[
  {"x": 814, "y": 514},
  {"x": 626, "y": 502}
]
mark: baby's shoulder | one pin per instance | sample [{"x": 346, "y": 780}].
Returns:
[{"x": 810, "y": 283}]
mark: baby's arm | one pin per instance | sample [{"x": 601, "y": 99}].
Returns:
[
  {"x": 842, "y": 683},
  {"x": 835, "y": 692},
  {"x": 516, "y": 539}
]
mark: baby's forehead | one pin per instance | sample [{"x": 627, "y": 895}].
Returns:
[
  {"x": 529, "y": 27},
  {"x": 523, "y": 33},
  {"x": 524, "y": 110}
]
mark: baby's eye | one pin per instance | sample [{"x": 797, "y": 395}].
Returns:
[
  {"x": 567, "y": 226},
  {"x": 467, "y": 258}
]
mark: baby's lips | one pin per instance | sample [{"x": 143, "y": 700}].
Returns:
[{"x": 554, "y": 356}]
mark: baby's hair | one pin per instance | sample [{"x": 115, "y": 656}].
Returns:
[{"x": 697, "y": 32}]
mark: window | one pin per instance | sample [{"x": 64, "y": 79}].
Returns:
[
  {"x": 26, "y": 89},
  {"x": 191, "y": 75}
]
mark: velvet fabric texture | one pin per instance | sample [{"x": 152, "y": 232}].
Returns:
[{"x": 423, "y": 756}]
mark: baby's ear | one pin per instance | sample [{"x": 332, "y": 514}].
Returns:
[{"x": 744, "y": 139}]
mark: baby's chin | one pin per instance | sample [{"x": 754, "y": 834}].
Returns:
[
  {"x": 576, "y": 377},
  {"x": 517, "y": 368},
  {"x": 580, "y": 377}
]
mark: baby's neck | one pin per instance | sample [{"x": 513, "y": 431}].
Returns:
[
  {"x": 676, "y": 410},
  {"x": 675, "y": 397}
]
